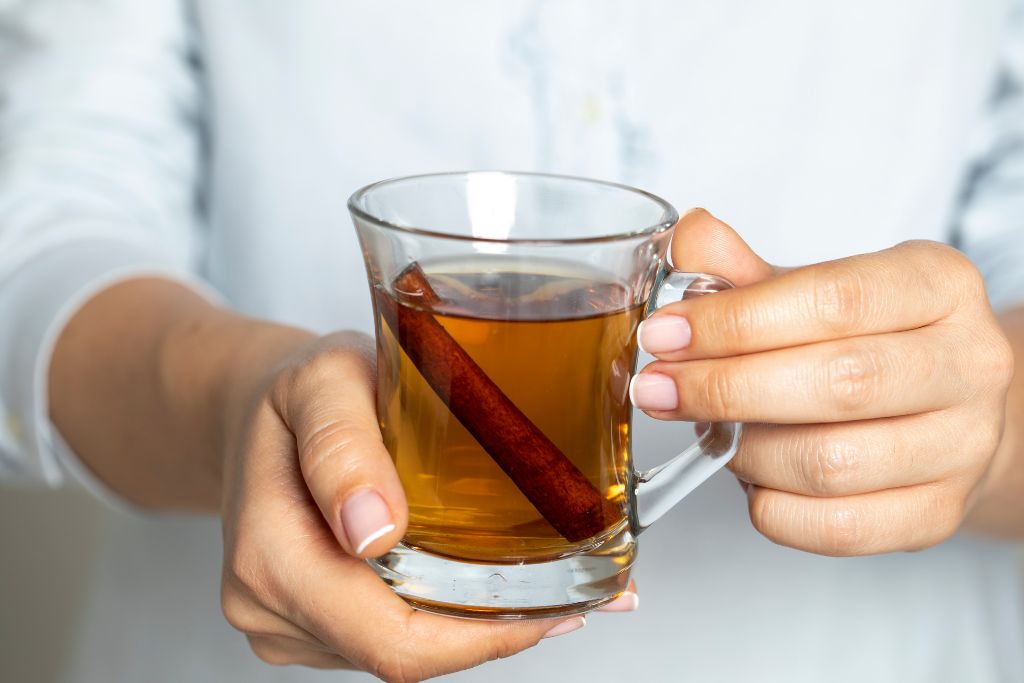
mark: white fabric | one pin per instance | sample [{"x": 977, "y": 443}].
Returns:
[{"x": 219, "y": 140}]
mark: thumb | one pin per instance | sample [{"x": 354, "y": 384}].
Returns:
[
  {"x": 328, "y": 403},
  {"x": 703, "y": 244}
]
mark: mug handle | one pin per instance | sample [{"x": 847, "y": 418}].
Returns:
[{"x": 658, "y": 490}]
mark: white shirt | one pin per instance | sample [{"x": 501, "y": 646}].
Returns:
[{"x": 217, "y": 142}]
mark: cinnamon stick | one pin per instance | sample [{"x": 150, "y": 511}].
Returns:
[{"x": 558, "y": 489}]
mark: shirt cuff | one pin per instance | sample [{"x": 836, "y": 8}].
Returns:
[{"x": 36, "y": 302}]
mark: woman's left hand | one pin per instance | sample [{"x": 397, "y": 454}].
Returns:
[{"x": 872, "y": 388}]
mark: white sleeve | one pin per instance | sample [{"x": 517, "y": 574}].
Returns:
[
  {"x": 990, "y": 227},
  {"x": 99, "y": 152}
]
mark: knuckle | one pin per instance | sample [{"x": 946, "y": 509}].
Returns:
[
  {"x": 312, "y": 370},
  {"x": 841, "y": 533},
  {"x": 935, "y": 254},
  {"x": 840, "y": 299},
  {"x": 852, "y": 378},
  {"x": 505, "y": 646},
  {"x": 943, "y": 516},
  {"x": 327, "y": 443},
  {"x": 971, "y": 278},
  {"x": 393, "y": 667},
  {"x": 965, "y": 272},
  {"x": 325, "y": 364},
  {"x": 956, "y": 512},
  {"x": 242, "y": 567},
  {"x": 759, "y": 517},
  {"x": 999, "y": 361},
  {"x": 269, "y": 653},
  {"x": 402, "y": 663},
  {"x": 238, "y": 610},
  {"x": 765, "y": 516},
  {"x": 737, "y": 322},
  {"x": 237, "y": 569},
  {"x": 989, "y": 365},
  {"x": 961, "y": 276},
  {"x": 950, "y": 523},
  {"x": 991, "y": 436},
  {"x": 834, "y": 466},
  {"x": 246, "y": 575},
  {"x": 719, "y": 393}
]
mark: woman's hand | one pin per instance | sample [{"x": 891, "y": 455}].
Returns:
[
  {"x": 178, "y": 404},
  {"x": 873, "y": 388},
  {"x": 309, "y": 490}
]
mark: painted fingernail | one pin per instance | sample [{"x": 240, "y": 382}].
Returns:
[
  {"x": 663, "y": 333},
  {"x": 652, "y": 391},
  {"x": 627, "y": 602},
  {"x": 567, "y": 626},
  {"x": 366, "y": 518}
]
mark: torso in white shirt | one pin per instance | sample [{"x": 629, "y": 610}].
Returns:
[{"x": 817, "y": 129}]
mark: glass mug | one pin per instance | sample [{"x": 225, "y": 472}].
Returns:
[{"x": 506, "y": 309}]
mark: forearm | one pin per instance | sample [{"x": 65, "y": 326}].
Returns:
[
  {"x": 144, "y": 380},
  {"x": 999, "y": 509}
]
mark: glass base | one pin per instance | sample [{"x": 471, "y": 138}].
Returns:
[{"x": 562, "y": 587}]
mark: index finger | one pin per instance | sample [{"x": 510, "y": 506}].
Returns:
[
  {"x": 347, "y": 606},
  {"x": 901, "y": 288},
  {"x": 304, "y": 577}
]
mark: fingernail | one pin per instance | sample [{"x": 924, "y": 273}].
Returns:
[
  {"x": 567, "y": 626},
  {"x": 366, "y": 518},
  {"x": 627, "y": 602},
  {"x": 652, "y": 391},
  {"x": 663, "y": 333}
]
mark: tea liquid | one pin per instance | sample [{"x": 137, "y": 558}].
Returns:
[{"x": 561, "y": 347}]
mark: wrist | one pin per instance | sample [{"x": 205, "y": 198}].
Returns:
[{"x": 213, "y": 365}]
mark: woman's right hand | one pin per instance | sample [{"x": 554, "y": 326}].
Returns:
[{"x": 309, "y": 492}]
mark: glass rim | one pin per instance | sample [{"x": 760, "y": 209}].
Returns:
[{"x": 670, "y": 216}]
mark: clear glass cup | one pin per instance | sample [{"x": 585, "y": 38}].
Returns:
[{"x": 506, "y": 309}]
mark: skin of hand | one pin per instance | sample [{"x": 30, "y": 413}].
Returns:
[
  {"x": 873, "y": 391},
  {"x": 178, "y": 404},
  {"x": 309, "y": 490}
]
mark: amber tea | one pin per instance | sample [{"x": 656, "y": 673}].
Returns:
[
  {"x": 556, "y": 351},
  {"x": 507, "y": 305}
]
